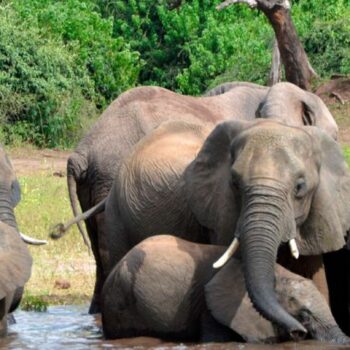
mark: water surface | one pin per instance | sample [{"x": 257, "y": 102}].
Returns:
[{"x": 70, "y": 327}]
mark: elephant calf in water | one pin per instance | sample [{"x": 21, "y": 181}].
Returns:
[{"x": 166, "y": 287}]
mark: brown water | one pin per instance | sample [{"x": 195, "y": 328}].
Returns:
[{"x": 70, "y": 327}]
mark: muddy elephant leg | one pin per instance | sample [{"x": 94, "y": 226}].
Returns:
[
  {"x": 91, "y": 227},
  {"x": 338, "y": 276},
  {"x": 319, "y": 277}
]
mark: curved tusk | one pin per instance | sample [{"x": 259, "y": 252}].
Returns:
[
  {"x": 227, "y": 255},
  {"x": 294, "y": 248},
  {"x": 32, "y": 241}
]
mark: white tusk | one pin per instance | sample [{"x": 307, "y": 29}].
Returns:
[
  {"x": 227, "y": 255},
  {"x": 294, "y": 248},
  {"x": 30, "y": 240}
]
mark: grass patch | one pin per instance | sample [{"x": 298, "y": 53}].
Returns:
[
  {"x": 34, "y": 303},
  {"x": 346, "y": 153},
  {"x": 63, "y": 271}
]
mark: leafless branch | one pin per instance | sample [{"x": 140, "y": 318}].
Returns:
[{"x": 251, "y": 3}]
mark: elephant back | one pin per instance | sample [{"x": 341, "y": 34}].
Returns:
[{"x": 150, "y": 179}]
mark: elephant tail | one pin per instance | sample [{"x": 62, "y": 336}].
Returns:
[
  {"x": 60, "y": 229},
  {"x": 72, "y": 190}
]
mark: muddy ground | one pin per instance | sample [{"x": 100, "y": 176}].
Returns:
[{"x": 28, "y": 161}]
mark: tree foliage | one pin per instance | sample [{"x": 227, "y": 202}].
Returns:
[
  {"x": 187, "y": 48},
  {"x": 42, "y": 91},
  {"x": 63, "y": 61},
  {"x": 58, "y": 63}
]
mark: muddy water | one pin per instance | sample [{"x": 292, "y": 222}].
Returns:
[{"x": 70, "y": 327}]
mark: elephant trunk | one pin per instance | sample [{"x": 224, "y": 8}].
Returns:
[
  {"x": 6, "y": 208},
  {"x": 261, "y": 232}
]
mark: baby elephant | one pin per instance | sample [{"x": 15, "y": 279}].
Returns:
[{"x": 167, "y": 287}]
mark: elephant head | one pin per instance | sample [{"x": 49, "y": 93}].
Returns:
[
  {"x": 265, "y": 184},
  {"x": 290, "y": 105},
  {"x": 285, "y": 102},
  {"x": 228, "y": 302},
  {"x": 15, "y": 260}
]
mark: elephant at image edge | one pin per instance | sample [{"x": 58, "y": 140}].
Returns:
[
  {"x": 92, "y": 166},
  {"x": 166, "y": 287},
  {"x": 15, "y": 260},
  {"x": 262, "y": 182}
]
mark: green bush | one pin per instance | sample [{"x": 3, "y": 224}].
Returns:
[
  {"x": 328, "y": 46},
  {"x": 324, "y": 28},
  {"x": 61, "y": 60},
  {"x": 59, "y": 64},
  {"x": 110, "y": 63},
  {"x": 43, "y": 92},
  {"x": 34, "y": 303},
  {"x": 186, "y": 49}
]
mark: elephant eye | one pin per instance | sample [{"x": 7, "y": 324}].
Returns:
[
  {"x": 300, "y": 188},
  {"x": 235, "y": 180}
]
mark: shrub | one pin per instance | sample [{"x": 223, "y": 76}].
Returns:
[
  {"x": 34, "y": 303},
  {"x": 110, "y": 63},
  {"x": 188, "y": 48},
  {"x": 324, "y": 27},
  {"x": 43, "y": 92}
]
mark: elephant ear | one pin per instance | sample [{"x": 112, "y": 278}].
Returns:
[
  {"x": 228, "y": 302},
  {"x": 15, "y": 192},
  {"x": 15, "y": 261},
  {"x": 329, "y": 218},
  {"x": 207, "y": 180}
]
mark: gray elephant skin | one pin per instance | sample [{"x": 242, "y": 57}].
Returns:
[
  {"x": 261, "y": 182},
  {"x": 15, "y": 260},
  {"x": 92, "y": 166},
  {"x": 166, "y": 287}
]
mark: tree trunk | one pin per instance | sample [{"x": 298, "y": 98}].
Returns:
[
  {"x": 295, "y": 61},
  {"x": 276, "y": 69},
  {"x": 296, "y": 64}
]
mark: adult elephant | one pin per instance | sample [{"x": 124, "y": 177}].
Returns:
[
  {"x": 262, "y": 183},
  {"x": 191, "y": 301},
  {"x": 16, "y": 262},
  {"x": 92, "y": 166}
]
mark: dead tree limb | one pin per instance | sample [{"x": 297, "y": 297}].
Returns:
[
  {"x": 276, "y": 67},
  {"x": 296, "y": 64}
]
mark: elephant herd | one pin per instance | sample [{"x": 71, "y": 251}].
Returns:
[{"x": 197, "y": 209}]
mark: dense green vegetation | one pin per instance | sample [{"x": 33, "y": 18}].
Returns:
[{"x": 63, "y": 61}]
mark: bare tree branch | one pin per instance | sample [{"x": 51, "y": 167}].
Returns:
[
  {"x": 276, "y": 66},
  {"x": 296, "y": 64},
  {"x": 250, "y": 3}
]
